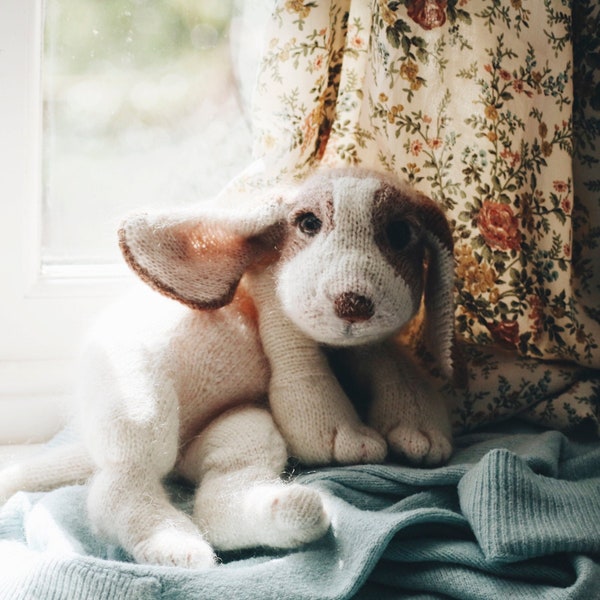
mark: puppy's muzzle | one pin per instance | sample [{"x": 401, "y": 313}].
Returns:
[{"x": 354, "y": 307}]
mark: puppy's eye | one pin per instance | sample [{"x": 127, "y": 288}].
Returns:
[
  {"x": 399, "y": 234},
  {"x": 308, "y": 223}
]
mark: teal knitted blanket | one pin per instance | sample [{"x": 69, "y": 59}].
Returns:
[{"x": 514, "y": 515}]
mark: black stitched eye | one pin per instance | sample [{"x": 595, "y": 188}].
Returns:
[
  {"x": 308, "y": 223},
  {"x": 398, "y": 234}
]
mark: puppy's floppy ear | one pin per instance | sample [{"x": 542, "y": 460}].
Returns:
[
  {"x": 439, "y": 286},
  {"x": 198, "y": 255}
]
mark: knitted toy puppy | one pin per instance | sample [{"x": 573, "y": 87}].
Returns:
[{"x": 183, "y": 385}]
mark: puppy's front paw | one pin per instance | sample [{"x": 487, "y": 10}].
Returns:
[
  {"x": 427, "y": 447},
  {"x": 174, "y": 548},
  {"x": 357, "y": 445}
]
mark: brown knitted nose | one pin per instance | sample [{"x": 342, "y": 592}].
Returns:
[{"x": 353, "y": 307}]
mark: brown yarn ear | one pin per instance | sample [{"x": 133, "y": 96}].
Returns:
[
  {"x": 439, "y": 287},
  {"x": 198, "y": 257}
]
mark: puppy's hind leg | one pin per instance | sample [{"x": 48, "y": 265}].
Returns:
[
  {"x": 130, "y": 505},
  {"x": 132, "y": 432},
  {"x": 241, "y": 501}
]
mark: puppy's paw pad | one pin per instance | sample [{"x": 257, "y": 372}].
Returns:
[
  {"x": 299, "y": 507},
  {"x": 170, "y": 548},
  {"x": 427, "y": 447},
  {"x": 292, "y": 514},
  {"x": 358, "y": 446}
]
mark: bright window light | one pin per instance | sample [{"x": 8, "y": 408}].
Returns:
[{"x": 141, "y": 109}]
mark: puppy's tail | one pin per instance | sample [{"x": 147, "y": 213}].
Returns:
[{"x": 52, "y": 467}]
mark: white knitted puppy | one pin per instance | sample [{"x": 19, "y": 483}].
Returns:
[{"x": 263, "y": 293}]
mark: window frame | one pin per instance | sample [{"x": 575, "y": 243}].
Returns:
[
  {"x": 46, "y": 308},
  {"x": 45, "y": 311}
]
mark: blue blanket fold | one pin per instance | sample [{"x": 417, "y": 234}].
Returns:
[
  {"x": 514, "y": 515},
  {"x": 517, "y": 514}
]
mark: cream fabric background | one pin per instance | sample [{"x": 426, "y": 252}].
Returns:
[{"x": 490, "y": 109}]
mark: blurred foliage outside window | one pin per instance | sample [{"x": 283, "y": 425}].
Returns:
[{"x": 141, "y": 109}]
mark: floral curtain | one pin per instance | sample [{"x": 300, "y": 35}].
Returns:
[{"x": 492, "y": 109}]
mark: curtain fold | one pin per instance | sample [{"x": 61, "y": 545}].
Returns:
[{"x": 492, "y": 109}]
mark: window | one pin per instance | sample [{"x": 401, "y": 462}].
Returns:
[{"x": 106, "y": 105}]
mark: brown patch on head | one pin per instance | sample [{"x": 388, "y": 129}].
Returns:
[
  {"x": 434, "y": 220},
  {"x": 398, "y": 235},
  {"x": 311, "y": 215},
  {"x": 424, "y": 258}
]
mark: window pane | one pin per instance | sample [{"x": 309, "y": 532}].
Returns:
[{"x": 140, "y": 109}]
